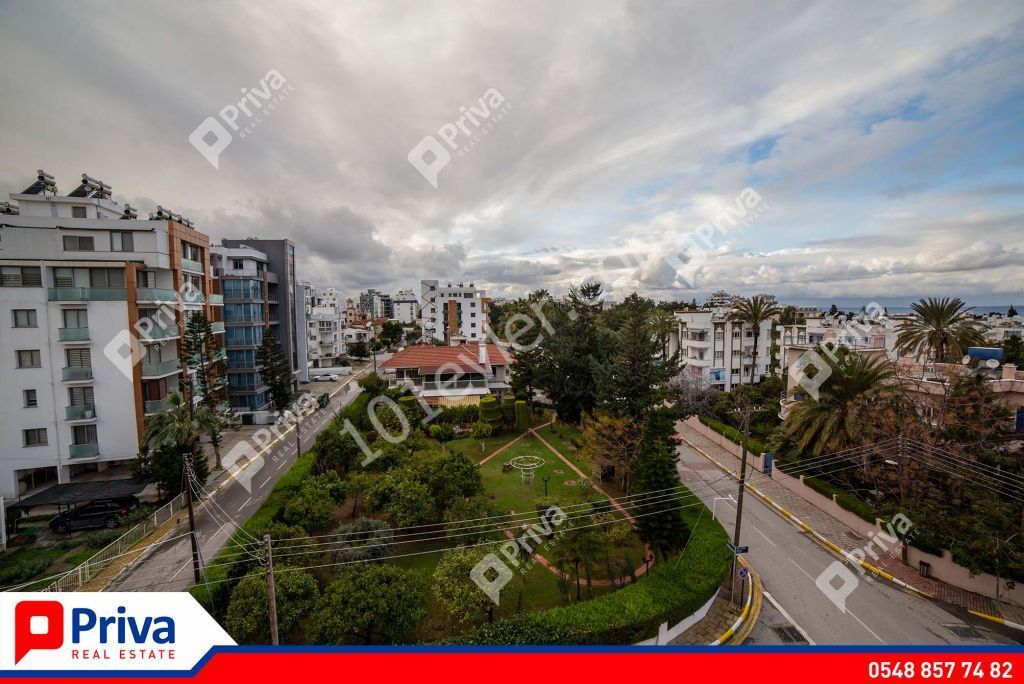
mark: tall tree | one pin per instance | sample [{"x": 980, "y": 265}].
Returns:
[
  {"x": 174, "y": 433},
  {"x": 275, "y": 370},
  {"x": 572, "y": 353},
  {"x": 1013, "y": 350},
  {"x": 369, "y": 604},
  {"x": 632, "y": 379},
  {"x": 612, "y": 441},
  {"x": 659, "y": 521},
  {"x": 210, "y": 373},
  {"x": 753, "y": 311},
  {"x": 837, "y": 419},
  {"x": 523, "y": 326},
  {"x": 943, "y": 327},
  {"x": 248, "y": 612},
  {"x": 1011, "y": 312}
]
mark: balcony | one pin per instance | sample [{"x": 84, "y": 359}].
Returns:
[
  {"x": 155, "y": 406},
  {"x": 84, "y": 450},
  {"x": 161, "y": 368},
  {"x": 435, "y": 385},
  {"x": 217, "y": 326},
  {"x": 216, "y": 300},
  {"x": 155, "y": 294},
  {"x": 73, "y": 334},
  {"x": 190, "y": 265},
  {"x": 76, "y": 373},
  {"x": 79, "y": 412},
  {"x": 86, "y": 294},
  {"x": 161, "y": 332},
  {"x": 248, "y": 273}
]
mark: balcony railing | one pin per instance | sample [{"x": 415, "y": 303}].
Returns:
[
  {"x": 454, "y": 384},
  {"x": 73, "y": 334},
  {"x": 161, "y": 332},
  {"x": 216, "y": 299},
  {"x": 79, "y": 412},
  {"x": 160, "y": 368},
  {"x": 156, "y": 294},
  {"x": 86, "y": 294},
  {"x": 217, "y": 326},
  {"x": 84, "y": 450},
  {"x": 192, "y": 265},
  {"x": 155, "y": 405},
  {"x": 76, "y": 373}
]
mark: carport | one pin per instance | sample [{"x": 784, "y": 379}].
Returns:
[{"x": 70, "y": 495}]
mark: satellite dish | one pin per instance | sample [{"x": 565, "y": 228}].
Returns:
[
  {"x": 992, "y": 363},
  {"x": 966, "y": 360}
]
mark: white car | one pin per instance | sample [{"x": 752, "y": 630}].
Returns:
[{"x": 326, "y": 377}]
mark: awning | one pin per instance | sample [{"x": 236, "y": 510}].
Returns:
[{"x": 81, "y": 492}]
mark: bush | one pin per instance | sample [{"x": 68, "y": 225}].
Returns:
[
  {"x": 670, "y": 592},
  {"x": 363, "y": 540},
  {"x": 523, "y": 420},
  {"x": 734, "y": 435},
  {"x": 313, "y": 506},
  {"x": 862, "y": 510},
  {"x": 24, "y": 570},
  {"x": 101, "y": 539},
  {"x": 490, "y": 412},
  {"x": 508, "y": 410}
]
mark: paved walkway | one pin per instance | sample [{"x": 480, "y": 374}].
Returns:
[
  {"x": 846, "y": 538},
  {"x": 720, "y": 618}
]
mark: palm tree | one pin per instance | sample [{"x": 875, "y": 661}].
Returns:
[
  {"x": 836, "y": 419},
  {"x": 180, "y": 425},
  {"x": 753, "y": 311},
  {"x": 662, "y": 325},
  {"x": 942, "y": 326}
]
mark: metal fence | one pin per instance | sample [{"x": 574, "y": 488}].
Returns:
[{"x": 77, "y": 577}]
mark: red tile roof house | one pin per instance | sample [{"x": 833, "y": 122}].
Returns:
[{"x": 450, "y": 376}]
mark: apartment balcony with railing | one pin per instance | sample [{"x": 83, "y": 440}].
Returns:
[
  {"x": 79, "y": 413},
  {"x": 86, "y": 294},
  {"x": 83, "y": 450},
  {"x": 73, "y": 334},
  {"x": 191, "y": 265},
  {"x": 159, "y": 369},
  {"x": 155, "y": 294},
  {"x": 76, "y": 373}
]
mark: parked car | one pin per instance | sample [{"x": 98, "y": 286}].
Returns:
[
  {"x": 326, "y": 377},
  {"x": 96, "y": 514}
]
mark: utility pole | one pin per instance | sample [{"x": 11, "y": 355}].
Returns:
[
  {"x": 298, "y": 432},
  {"x": 191, "y": 515},
  {"x": 271, "y": 596},
  {"x": 746, "y": 412}
]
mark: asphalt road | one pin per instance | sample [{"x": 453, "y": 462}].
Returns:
[
  {"x": 789, "y": 562},
  {"x": 233, "y": 500}
]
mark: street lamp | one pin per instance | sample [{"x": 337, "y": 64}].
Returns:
[{"x": 546, "y": 478}]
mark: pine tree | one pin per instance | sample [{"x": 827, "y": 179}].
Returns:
[
  {"x": 658, "y": 524},
  {"x": 274, "y": 369},
  {"x": 200, "y": 349}
]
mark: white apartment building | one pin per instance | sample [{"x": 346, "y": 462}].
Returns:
[
  {"x": 853, "y": 333},
  {"x": 719, "y": 299},
  {"x": 326, "y": 321},
  {"x": 999, "y": 328},
  {"x": 720, "y": 350},
  {"x": 91, "y": 316},
  {"x": 405, "y": 307},
  {"x": 453, "y": 313}
]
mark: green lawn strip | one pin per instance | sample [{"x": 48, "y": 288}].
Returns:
[
  {"x": 471, "y": 447},
  {"x": 670, "y": 592},
  {"x": 560, "y": 436}
]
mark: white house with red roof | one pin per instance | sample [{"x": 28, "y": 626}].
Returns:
[{"x": 451, "y": 375}]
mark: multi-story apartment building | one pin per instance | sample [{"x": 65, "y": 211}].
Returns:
[
  {"x": 375, "y": 304},
  {"x": 452, "y": 314},
  {"x": 720, "y": 350},
  {"x": 93, "y": 303},
  {"x": 326, "y": 319},
  {"x": 719, "y": 299},
  {"x": 405, "y": 307},
  {"x": 260, "y": 292},
  {"x": 1000, "y": 328}
]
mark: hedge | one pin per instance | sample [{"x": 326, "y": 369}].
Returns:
[
  {"x": 669, "y": 593},
  {"x": 845, "y": 499},
  {"x": 734, "y": 435}
]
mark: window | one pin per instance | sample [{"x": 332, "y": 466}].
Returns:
[
  {"x": 88, "y": 277},
  {"x": 472, "y": 315},
  {"x": 81, "y": 396},
  {"x": 29, "y": 358},
  {"x": 30, "y": 398},
  {"x": 21, "y": 276},
  {"x": 76, "y": 243},
  {"x": 237, "y": 264},
  {"x": 34, "y": 437},
  {"x": 75, "y": 318},
  {"x": 77, "y": 212},
  {"x": 122, "y": 242},
  {"x": 79, "y": 357},
  {"x": 84, "y": 434},
  {"x": 24, "y": 318}
]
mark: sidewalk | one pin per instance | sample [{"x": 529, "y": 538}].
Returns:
[
  {"x": 720, "y": 618},
  {"x": 847, "y": 539}
]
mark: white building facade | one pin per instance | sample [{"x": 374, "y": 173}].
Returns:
[
  {"x": 720, "y": 350},
  {"x": 405, "y": 307},
  {"x": 453, "y": 313}
]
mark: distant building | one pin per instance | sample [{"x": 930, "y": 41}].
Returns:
[
  {"x": 451, "y": 313},
  {"x": 719, "y": 350},
  {"x": 375, "y": 304},
  {"x": 719, "y": 299},
  {"x": 405, "y": 307}
]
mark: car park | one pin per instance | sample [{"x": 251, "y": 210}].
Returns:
[{"x": 91, "y": 515}]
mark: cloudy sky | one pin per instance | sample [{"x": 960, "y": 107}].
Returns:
[{"x": 881, "y": 142}]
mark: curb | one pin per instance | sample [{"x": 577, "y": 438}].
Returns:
[
  {"x": 835, "y": 549},
  {"x": 744, "y": 624}
]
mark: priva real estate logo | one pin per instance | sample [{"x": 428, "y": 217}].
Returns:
[{"x": 104, "y": 631}]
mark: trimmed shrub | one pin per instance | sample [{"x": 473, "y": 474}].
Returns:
[
  {"x": 508, "y": 410},
  {"x": 862, "y": 510},
  {"x": 410, "y": 408},
  {"x": 734, "y": 435},
  {"x": 523, "y": 419},
  {"x": 102, "y": 539},
  {"x": 490, "y": 411}
]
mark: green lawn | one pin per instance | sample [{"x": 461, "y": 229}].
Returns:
[{"x": 510, "y": 494}]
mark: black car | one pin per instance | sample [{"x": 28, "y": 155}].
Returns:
[{"x": 96, "y": 514}]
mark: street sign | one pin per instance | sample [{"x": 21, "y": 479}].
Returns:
[
  {"x": 738, "y": 549},
  {"x": 744, "y": 572}
]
